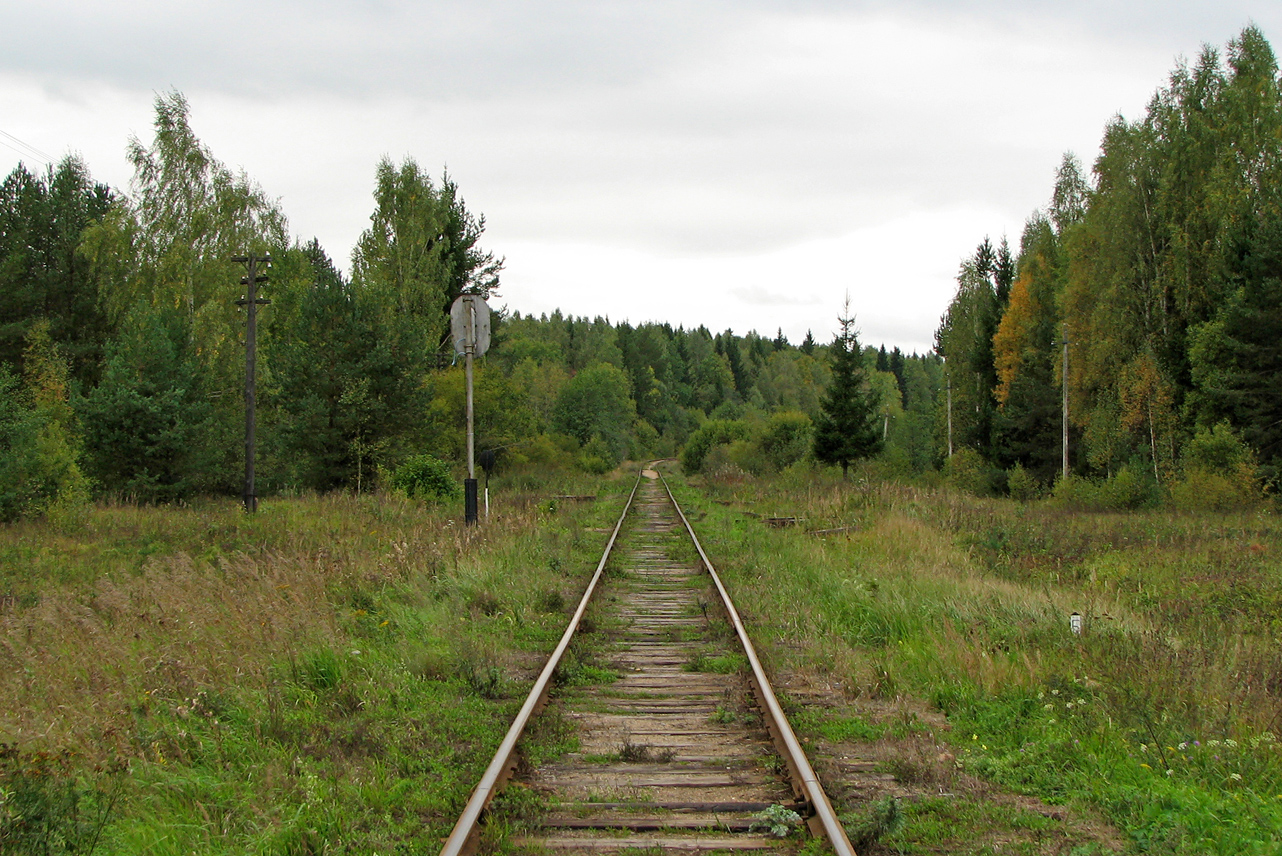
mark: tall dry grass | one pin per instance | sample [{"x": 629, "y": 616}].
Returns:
[
  {"x": 148, "y": 607},
  {"x": 1181, "y": 610},
  {"x": 1162, "y": 714}
]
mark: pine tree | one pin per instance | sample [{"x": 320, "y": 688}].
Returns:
[{"x": 847, "y": 428}]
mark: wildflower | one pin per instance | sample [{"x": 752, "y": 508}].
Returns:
[
  {"x": 1068, "y": 706},
  {"x": 1143, "y": 747},
  {"x": 1232, "y": 744},
  {"x": 1146, "y": 766},
  {"x": 1170, "y": 772},
  {"x": 1054, "y": 692},
  {"x": 1213, "y": 743},
  {"x": 1183, "y": 746},
  {"x": 1041, "y": 696},
  {"x": 1048, "y": 707},
  {"x": 1237, "y": 777}
]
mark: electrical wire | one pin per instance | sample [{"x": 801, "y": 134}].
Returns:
[{"x": 23, "y": 148}]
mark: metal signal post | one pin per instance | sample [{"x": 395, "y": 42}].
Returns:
[
  {"x": 469, "y": 486},
  {"x": 470, "y": 329},
  {"x": 251, "y": 301}
]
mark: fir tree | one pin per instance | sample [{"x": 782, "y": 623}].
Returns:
[{"x": 847, "y": 428}]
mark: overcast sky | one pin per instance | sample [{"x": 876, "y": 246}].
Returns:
[{"x": 739, "y": 165}]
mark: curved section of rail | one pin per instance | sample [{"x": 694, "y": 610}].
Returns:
[
  {"x": 804, "y": 781},
  {"x": 463, "y": 839}
]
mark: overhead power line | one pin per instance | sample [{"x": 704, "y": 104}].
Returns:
[{"x": 24, "y": 148}]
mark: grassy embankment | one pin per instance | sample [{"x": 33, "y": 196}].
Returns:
[
  {"x": 1161, "y": 717},
  {"x": 329, "y": 676}
]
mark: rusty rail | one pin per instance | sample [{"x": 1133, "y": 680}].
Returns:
[
  {"x": 805, "y": 783},
  {"x": 823, "y": 822},
  {"x": 463, "y": 839}
]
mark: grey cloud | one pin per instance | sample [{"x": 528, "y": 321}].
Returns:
[
  {"x": 441, "y": 49},
  {"x": 468, "y": 48}
]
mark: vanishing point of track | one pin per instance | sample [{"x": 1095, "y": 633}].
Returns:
[{"x": 673, "y": 757}]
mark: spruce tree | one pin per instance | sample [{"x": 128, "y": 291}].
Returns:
[{"x": 847, "y": 428}]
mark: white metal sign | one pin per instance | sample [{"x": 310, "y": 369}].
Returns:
[{"x": 470, "y": 324}]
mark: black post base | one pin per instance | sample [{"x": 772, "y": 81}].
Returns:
[{"x": 469, "y": 500}]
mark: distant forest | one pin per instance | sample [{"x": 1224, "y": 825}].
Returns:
[
  {"x": 122, "y": 345},
  {"x": 1162, "y": 271}
]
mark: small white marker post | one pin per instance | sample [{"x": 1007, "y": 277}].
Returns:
[{"x": 1075, "y": 624}]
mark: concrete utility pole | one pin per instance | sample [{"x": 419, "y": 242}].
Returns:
[
  {"x": 950, "y": 417},
  {"x": 1064, "y": 379},
  {"x": 251, "y": 301}
]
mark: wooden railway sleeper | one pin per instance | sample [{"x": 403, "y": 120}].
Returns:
[{"x": 709, "y": 822}]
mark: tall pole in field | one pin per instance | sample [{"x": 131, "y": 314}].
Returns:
[
  {"x": 469, "y": 486},
  {"x": 470, "y": 329},
  {"x": 251, "y": 301},
  {"x": 950, "y": 417},
  {"x": 1065, "y": 415}
]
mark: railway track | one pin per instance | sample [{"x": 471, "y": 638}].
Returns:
[{"x": 687, "y": 751}]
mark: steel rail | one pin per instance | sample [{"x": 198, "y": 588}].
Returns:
[
  {"x": 805, "y": 783},
  {"x": 464, "y": 838}
]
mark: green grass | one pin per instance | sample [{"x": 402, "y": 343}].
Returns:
[
  {"x": 332, "y": 674},
  {"x": 1161, "y": 717},
  {"x": 717, "y": 664},
  {"x": 328, "y": 676},
  {"x": 955, "y": 826}
]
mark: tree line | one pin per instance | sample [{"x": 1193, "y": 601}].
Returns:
[
  {"x": 122, "y": 347},
  {"x": 121, "y": 343},
  {"x": 1160, "y": 274}
]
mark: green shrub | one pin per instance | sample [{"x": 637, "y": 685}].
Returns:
[
  {"x": 1220, "y": 473},
  {"x": 712, "y": 433},
  {"x": 1202, "y": 490},
  {"x": 1127, "y": 489},
  {"x": 1217, "y": 450},
  {"x": 544, "y": 450},
  {"x": 1021, "y": 484},
  {"x": 1075, "y": 492},
  {"x": 426, "y": 477},
  {"x": 786, "y": 438},
  {"x": 39, "y": 471},
  {"x": 1130, "y": 487},
  {"x": 596, "y": 457},
  {"x": 968, "y": 472}
]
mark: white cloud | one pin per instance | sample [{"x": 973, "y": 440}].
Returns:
[{"x": 665, "y": 160}]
